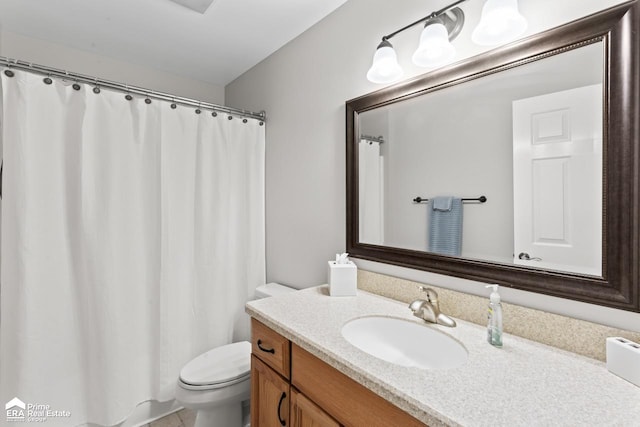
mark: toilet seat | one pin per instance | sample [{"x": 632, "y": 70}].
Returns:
[{"x": 218, "y": 368}]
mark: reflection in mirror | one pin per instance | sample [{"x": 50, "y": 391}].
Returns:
[{"x": 528, "y": 138}]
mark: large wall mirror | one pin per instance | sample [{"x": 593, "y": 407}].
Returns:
[{"x": 519, "y": 166}]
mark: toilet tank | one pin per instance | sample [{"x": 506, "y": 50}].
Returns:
[{"x": 272, "y": 289}]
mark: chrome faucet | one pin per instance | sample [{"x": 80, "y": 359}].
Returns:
[{"x": 429, "y": 309}]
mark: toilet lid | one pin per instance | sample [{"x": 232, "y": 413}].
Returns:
[{"x": 220, "y": 365}]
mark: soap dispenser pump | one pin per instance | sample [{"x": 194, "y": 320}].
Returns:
[{"x": 494, "y": 325}]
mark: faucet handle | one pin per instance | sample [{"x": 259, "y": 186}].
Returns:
[{"x": 432, "y": 296}]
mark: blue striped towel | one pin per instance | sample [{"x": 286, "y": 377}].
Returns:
[{"x": 445, "y": 225}]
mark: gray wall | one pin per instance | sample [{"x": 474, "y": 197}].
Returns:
[
  {"x": 452, "y": 143},
  {"x": 303, "y": 88},
  {"x": 42, "y": 52}
]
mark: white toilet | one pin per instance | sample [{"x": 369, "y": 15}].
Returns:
[{"x": 217, "y": 382}]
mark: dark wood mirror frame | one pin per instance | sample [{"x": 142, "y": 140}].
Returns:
[{"x": 619, "y": 287}]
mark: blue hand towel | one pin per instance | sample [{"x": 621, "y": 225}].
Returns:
[
  {"x": 442, "y": 203},
  {"x": 445, "y": 225}
]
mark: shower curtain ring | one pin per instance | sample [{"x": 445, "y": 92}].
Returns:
[
  {"x": 173, "y": 104},
  {"x": 8, "y": 71},
  {"x": 147, "y": 100},
  {"x": 47, "y": 80},
  {"x": 198, "y": 110},
  {"x": 96, "y": 88}
]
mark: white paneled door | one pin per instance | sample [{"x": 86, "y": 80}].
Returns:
[{"x": 557, "y": 171}]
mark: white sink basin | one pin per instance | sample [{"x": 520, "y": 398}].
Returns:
[{"x": 405, "y": 343}]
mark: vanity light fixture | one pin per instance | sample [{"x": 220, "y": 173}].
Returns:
[
  {"x": 434, "y": 49},
  {"x": 500, "y": 22},
  {"x": 385, "y": 68}
]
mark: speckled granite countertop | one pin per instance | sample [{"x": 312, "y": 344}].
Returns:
[{"x": 522, "y": 384}]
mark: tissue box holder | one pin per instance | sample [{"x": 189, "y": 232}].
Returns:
[
  {"x": 623, "y": 359},
  {"x": 343, "y": 279}
]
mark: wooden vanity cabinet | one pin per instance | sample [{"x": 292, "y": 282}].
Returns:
[
  {"x": 305, "y": 413},
  {"x": 307, "y": 392},
  {"x": 349, "y": 402}
]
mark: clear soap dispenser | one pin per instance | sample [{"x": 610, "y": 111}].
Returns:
[{"x": 494, "y": 326}]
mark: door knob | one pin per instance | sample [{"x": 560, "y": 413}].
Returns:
[{"x": 525, "y": 256}]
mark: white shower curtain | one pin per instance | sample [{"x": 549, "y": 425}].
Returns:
[
  {"x": 132, "y": 236},
  {"x": 371, "y": 192}
]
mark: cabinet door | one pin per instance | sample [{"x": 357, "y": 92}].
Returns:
[
  {"x": 269, "y": 396},
  {"x": 305, "y": 413}
]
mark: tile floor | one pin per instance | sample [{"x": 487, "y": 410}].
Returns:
[{"x": 182, "y": 418}]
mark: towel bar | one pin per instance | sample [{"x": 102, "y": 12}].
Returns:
[{"x": 480, "y": 199}]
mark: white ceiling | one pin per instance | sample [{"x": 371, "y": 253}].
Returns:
[{"x": 215, "y": 47}]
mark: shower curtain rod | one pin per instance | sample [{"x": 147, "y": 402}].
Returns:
[
  {"x": 48, "y": 71},
  {"x": 379, "y": 139}
]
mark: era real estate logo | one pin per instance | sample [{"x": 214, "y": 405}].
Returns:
[
  {"x": 15, "y": 409},
  {"x": 18, "y": 411}
]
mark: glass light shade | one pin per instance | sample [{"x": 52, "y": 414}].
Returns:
[
  {"x": 500, "y": 22},
  {"x": 385, "y": 67},
  {"x": 434, "y": 49}
]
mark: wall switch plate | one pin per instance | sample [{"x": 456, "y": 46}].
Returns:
[{"x": 623, "y": 359}]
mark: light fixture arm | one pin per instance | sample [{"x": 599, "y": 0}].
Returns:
[{"x": 431, "y": 16}]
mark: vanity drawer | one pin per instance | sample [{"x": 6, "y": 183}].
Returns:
[
  {"x": 350, "y": 403},
  {"x": 271, "y": 347}
]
